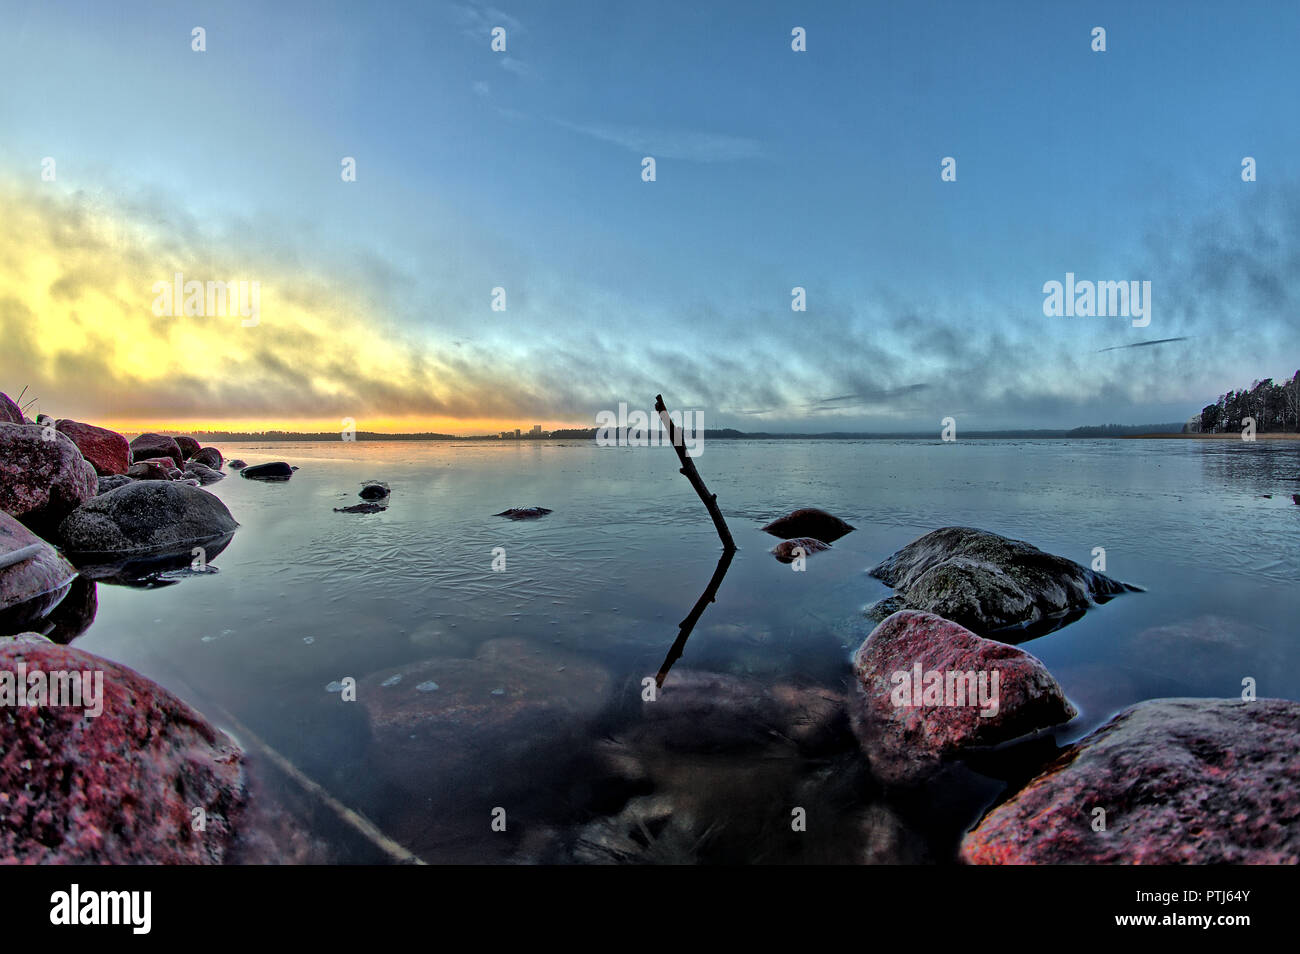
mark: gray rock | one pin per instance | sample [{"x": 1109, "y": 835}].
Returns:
[
  {"x": 986, "y": 582},
  {"x": 145, "y": 516},
  {"x": 33, "y": 576},
  {"x": 278, "y": 470},
  {"x": 113, "y": 482},
  {"x": 204, "y": 473}
]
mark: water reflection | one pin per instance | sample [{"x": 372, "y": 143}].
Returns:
[{"x": 687, "y": 625}]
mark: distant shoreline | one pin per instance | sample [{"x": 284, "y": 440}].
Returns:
[{"x": 1228, "y": 436}]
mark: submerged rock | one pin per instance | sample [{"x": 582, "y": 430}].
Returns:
[
  {"x": 277, "y": 470},
  {"x": 42, "y": 474},
  {"x": 1181, "y": 781},
  {"x": 236, "y": 464},
  {"x": 361, "y": 508},
  {"x": 985, "y": 581},
  {"x": 115, "y": 779},
  {"x": 148, "y": 446},
  {"x": 523, "y": 513},
  {"x": 146, "y": 516},
  {"x": 107, "y": 451},
  {"x": 790, "y": 550},
  {"x": 425, "y": 741},
  {"x": 374, "y": 490},
  {"x": 809, "y": 522},
  {"x": 210, "y": 457},
  {"x": 961, "y": 706},
  {"x": 33, "y": 576}
]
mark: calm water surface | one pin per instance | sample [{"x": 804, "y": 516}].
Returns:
[{"x": 305, "y": 596}]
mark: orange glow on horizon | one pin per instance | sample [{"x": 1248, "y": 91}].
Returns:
[{"x": 454, "y": 427}]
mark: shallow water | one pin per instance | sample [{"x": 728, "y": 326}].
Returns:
[{"x": 305, "y": 596}]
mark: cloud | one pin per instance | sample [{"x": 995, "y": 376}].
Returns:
[
  {"x": 671, "y": 144},
  {"x": 77, "y": 271}
]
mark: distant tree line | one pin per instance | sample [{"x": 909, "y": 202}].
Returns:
[{"x": 1275, "y": 407}]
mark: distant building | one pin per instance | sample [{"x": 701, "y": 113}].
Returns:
[
  {"x": 537, "y": 430},
  {"x": 516, "y": 433}
]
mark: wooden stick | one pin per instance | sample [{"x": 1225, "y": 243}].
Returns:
[{"x": 690, "y": 473}]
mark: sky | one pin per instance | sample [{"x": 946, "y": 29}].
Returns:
[{"x": 522, "y": 170}]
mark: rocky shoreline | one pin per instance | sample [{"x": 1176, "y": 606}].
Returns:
[{"x": 1175, "y": 780}]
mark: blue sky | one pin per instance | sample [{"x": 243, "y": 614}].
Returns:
[{"x": 819, "y": 169}]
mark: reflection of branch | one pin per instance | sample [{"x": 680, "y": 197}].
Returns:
[
  {"x": 684, "y": 628},
  {"x": 690, "y": 473}
]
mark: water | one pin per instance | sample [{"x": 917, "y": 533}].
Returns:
[{"x": 306, "y": 597}]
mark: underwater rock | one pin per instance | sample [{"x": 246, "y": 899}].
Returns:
[
  {"x": 788, "y": 551},
  {"x": 523, "y": 513}
]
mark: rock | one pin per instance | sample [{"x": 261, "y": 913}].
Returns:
[
  {"x": 907, "y": 739},
  {"x": 204, "y": 473},
  {"x": 985, "y": 582},
  {"x": 148, "y": 446},
  {"x": 276, "y": 471},
  {"x": 1182, "y": 782},
  {"x": 175, "y": 473},
  {"x": 107, "y": 451},
  {"x": 42, "y": 474},
  {"x": 112, "y": 483},
  {"x": 361, "y": 508},
  {"x": 373, "y": 490},
  {"x": 145, "y": 517},
  {"x": 790, "y": 550},
  {"x": 523, "y": 513},
  {"x": 429, "y": 740},
  {"x": 10, "y": 412},
  {"x": 33, "y": 576},
  {"x": 809, "y": 522},
  {"x": 114, "y": 780},
  {"x": 211, "y": 457},
  {"x": 1295, "y": 498},
  {"x": 188, "y": 445},
  {"x": 235, "y": 464},
  {"x": 149, "y": 470}
]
